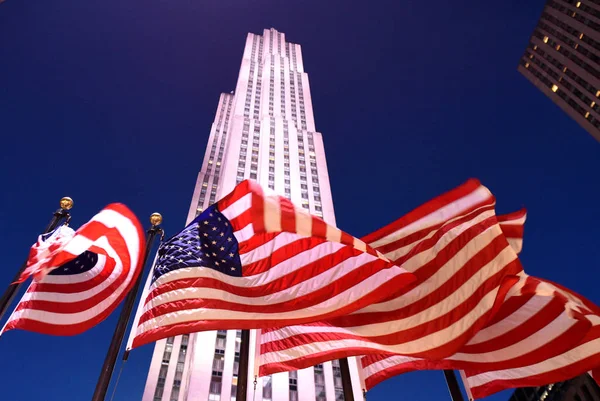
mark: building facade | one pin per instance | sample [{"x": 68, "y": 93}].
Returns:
[
  {"x": 563, "y": 59},
  {"x": 264, "y": 130},
  {"x": 581, "y": 388}
]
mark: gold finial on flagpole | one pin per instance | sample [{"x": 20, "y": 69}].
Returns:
[
  {"x": 66, "y": 203},
  {"x": 156, "y": 219}
]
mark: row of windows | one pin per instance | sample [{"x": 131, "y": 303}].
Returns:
[
  {"x": 583, "y": 7},
  {"x": 570, "y": 55},
  {"x": 571, "y": 30},
  {"x": 577, "y": 16},
  {"x": 574, "y": 88},
  {"x": 564, "y": 95}
]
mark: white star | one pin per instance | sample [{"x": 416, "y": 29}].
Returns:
[
  {"x": 214, "y": 228},
  {"x": 229, "y": 239},
  {"x": 218, "y": 218},
  {"x": 231, "y": 255},
  {"x": 214, "y": 242},
  {"x": 226, "y": 224},
  {"x": 189, "y": 253},
  {"x": 232, "y": 268},
  {"x": 206, "y": 222},
  {"x": 189, "y": 242},
  {"x": 206, "y": 234},
  {"x": 172, "y": 257},
  {"x": 217, "y": 263},
  {"x": 222, "y": 248},
  {"x": 222, "y": 234},
  {"x": 223, "y": 260},
  {"x": 210, "y": 214},
  {"x": 206, "y": 245},
  {"x": 214, "y": 254},
  {"x": 180, "y": 260},
  {"x": 198, "y": 247}
]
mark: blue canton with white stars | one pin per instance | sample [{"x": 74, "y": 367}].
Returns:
[
  {"x": 82, "y": 263},
  {"x": 207, "y": 242}
]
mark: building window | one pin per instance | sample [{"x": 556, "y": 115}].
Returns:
[{"x": 293, "y": 383}]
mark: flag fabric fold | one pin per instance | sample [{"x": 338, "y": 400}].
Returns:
[
  {"x": 80, "y": 277},
  {"x": 254, "y": 260},
  {"x": 464, "y": 266}
]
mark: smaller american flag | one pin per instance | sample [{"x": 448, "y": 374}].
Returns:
[
  {"x": 254, "y": 260},
  {"x": 80, "y": 277}
]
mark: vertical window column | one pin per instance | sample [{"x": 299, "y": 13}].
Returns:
[
  {"x": 179, "y": 368},
  {"x": 293, "y": 383},
  {"x": 272, "y": 154},
  {"x": 301, "y": 99},
  {"x": 164, "y": 368},
  {"x": 315, "y": 175},
  {"x": 319, "y": 383},
  {"x": 216, "y": 381},
  {"x": 337, "y": 380},
  {"x": 267, "y": 393},
  {"x": 236, "y": 364},
  {"x": 255, "y": 149},
  {"x": 243, "y": 152},
  {"x": 286, "y": 160}
]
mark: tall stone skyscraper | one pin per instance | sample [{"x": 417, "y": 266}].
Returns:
[{"x": 265, "y": 131}]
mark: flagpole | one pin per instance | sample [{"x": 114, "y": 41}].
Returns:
[
  {"x": 465, "y": 383},
  {"x": 8, "y": 297},
  {"x": 242, "y": 384},
  {"x": 453, "y": 386},
  {"x": 346, "y": 380},
  {"x": 117, "y": 339}
]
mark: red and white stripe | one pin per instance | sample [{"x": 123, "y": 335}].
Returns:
[
  {"x": 464, "y": 265},
  {"x": 296, "y": 269},
  {"x": 71, "y": 304},
  {"x": 556, "y": 357}
]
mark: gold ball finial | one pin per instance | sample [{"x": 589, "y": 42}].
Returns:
[
  {"x": 66, "y": 203},
  {"x": 155, "y": 219}
]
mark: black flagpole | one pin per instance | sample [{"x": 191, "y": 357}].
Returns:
[
  {"x": 66, "y": 204},
  {"x": 453, "y": 386},
  {"x": 242, "y": 384},
  {"x": 346, "y": 381},
  {"x": 117, "y": 339}
]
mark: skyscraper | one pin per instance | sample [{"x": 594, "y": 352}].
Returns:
[
  {"x": 265, "y": 130},
  {"x": 563, "y": 59}
]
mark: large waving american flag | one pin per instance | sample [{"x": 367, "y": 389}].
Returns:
[
  {"x": 80, "y": 277},
  {"x": 464, "y": 265},
  {"x": 254, "y": 260}
]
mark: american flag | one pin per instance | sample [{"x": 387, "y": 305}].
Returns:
[
  {"x": 81, "y": 277},
  {"x": 254, "y": 260},
  {"x": 464, "y": 265}
]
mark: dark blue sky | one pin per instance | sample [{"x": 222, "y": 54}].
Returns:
[{"x": 111, "y": 100}]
